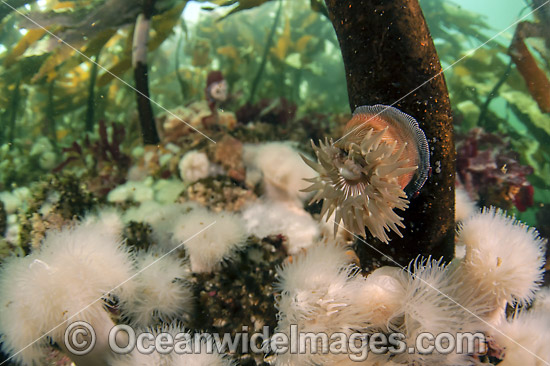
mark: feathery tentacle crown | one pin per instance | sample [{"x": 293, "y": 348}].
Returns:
[{"x": 381, "y": 161}]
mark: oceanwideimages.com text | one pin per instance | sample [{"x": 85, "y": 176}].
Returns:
[{"x": 80, "y": 339}]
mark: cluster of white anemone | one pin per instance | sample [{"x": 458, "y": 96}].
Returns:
[
  {"x": 87, "y": 263},
  {"x": 321, "y": 291},
  {"x": 68, "y": 279},
  {"x": 81, "y": 269},
  {"x": 208, "y": 237}
]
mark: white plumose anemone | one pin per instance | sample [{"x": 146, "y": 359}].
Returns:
[
  {"x": 464, "y": 206},
  {"x": 20, "y": 322},
  {"x": 136, "y": 191},
  {"x": 161, "y": 291},
  {"x": 431, "y": 305},
  {"x": 209, "y": 237},
  {"x": 365, "y": 175},
  {"x": 109, "y": 220},
  {"x": 65, "y": 281},
  {"x": 323, "y": 293},
  {"x": 280, "y": 168},
  {"x": 161, "y": 217},
  {"x": 264, "y": 218},
  {"x": 194, "y": 165},
  {"x": 382, "y": 296},
  {"x": 525, "y": 339},
  {"x": 504, "y": 258},
  {"x": 542, "y": 301}
]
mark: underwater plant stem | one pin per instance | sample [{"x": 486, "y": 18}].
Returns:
[
  {"x": 183, "y": 85},
  {"x": 52, "y": 127},
  {"x": 90, "y": 108},
  {"x": 493, "y": 94},
  {"x": 14, "y": 105},
  {"x": 139, "y": 62},
  {"x": 535, "y": 78},
  {"x": 268, "y": 45},
  {"x": 390, "y": 59}
]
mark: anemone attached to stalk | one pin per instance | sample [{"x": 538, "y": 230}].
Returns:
[{"x": 377, "y": 166}]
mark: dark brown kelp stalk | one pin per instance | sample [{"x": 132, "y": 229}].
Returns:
[
  {"x": 390, "y": 59},
  {"x": 90, "y": 104},
  {"x": 139, "y": 63},
  {"x": 51, "y": 114}
]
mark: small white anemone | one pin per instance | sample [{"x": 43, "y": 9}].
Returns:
[
  {"x": 314, "y": 269},
  {"x": 504, "y": 258},
  {"x": 47, "y": 160},
  {"x": 40, "y": 146},
  {"x": 161, "y": 292},
  {"x": 382, "y": 296},
  {"x": 161, "y": 218},
  {"x": 194, "y": 165},
  {"x": 208, "y": 237},
  {"x": 66, "y": 280},
  {"x": 13, "y": 229},
  {"x": 464, "y": 206},
  {"x": 136, "y": 191},
  {"x": 167, "y": 191},
  {"x": 264, "y": 218},
  {"x": 108, "y": 221},
  {"x": 15, "y": 200},
  {"x": 20, "y": 322},
  {"x": 281, "y": 169},
  {"x": 10, "y": 201}
]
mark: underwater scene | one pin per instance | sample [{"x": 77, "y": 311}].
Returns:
[{"x": 274, "y": 182}]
